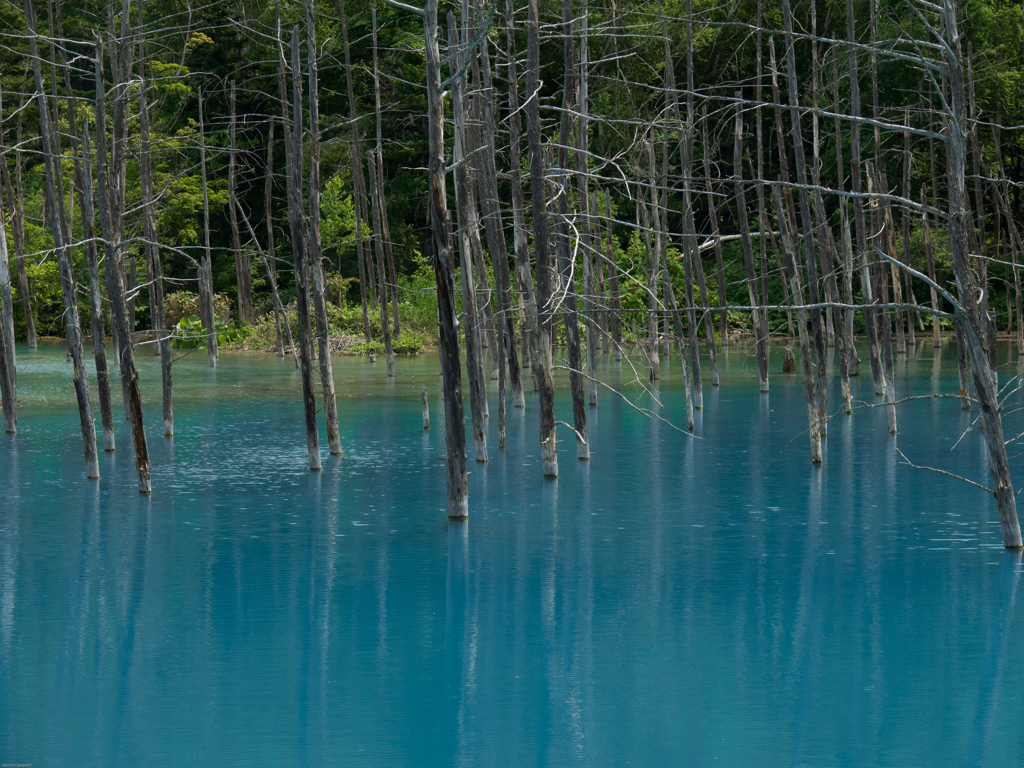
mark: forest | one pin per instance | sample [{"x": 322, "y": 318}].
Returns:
[{"x": 523, "y": 188}]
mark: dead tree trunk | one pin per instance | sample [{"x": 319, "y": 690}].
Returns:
[
  {"x": 243, "y": 269},
  {"x": 7, "y": 369},
  {"x": 797, "y": 292},
  {"x": 566, "y": 262},
  {"x": 614, "y": 298},
  {"x": 358, "y": 183},
  {"x": 467, "y": 221},
  {"x": 68, "y": 288},
  {"x": 271, "y": 262},
  {"x": 495, "y": 230},
  {"x": 378, "y": 244},
  {"x": 293, "y": 161},
  {"x": 715, "y": 234},
  {"x": 206, "y": 309},
  {"x": 448, "y": 324},
  {"x": 970, "y": 314},
  {"x": 759, "y": 317},
  {"x": 385, "y": 227},
  {"x": 524, "y": 276},
  {"x": 118, "y": 303},
  {"x": 316, "y": 246},
  {"x": 152, "y": 247},
  {"x": 98, "y": 335},
  {"x": 582, "y": 186},
  {"x": 16, "y": 202},
  {"x": 542, "y": 363}
]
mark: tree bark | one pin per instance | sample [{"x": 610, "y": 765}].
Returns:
[
  {"x": 73, "y": 330},
  {"x": 243, "y": 269},
  {"x": 206, "y": 309},
  {"x": 970, "y": 314},
  {"x": 118, "y": 303},
  {"x": 316, "y": 246},
  {"x": 293, "y": 161},
  {"x": 448, "y": 324},
  {"x": 378, "y": 244}
]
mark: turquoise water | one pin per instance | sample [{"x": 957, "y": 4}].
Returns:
[{"x": 677, "y": 601}]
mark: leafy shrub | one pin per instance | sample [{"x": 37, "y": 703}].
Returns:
[{"x": 182, "y": 304}]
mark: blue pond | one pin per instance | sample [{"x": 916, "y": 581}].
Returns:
[{"x": 708, "y": 600}]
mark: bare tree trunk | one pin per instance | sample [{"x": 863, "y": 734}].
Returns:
[
  {"x": 448, "y": 326},
  {"x": 206, "y": 309},
  {"x": 271, "y": 263},
  {"x": 614, "y": 298},
  {"x": 243, "y": 269},
  {"x": 971, "y": 319},
  {"x": 467, "y": 222},
  {"x": 74, "y": 334},
  {"x": 98, "y": 336},
  {"x": 653, "y": 272},
  {"x": 156, "y": 291},
  {"x": 715, "y": 233},
  {"x": 389, "y": 354},
  {"x": 797, "y": 292},
  {"x": 293, "y": 161},
  {"x": 316, "y": 246},
  {"x": 582, "y": 186},
  {"x": 542, "y": 363},
  {"x": 905, "y": 229},
  {"x": 805, "y": 215},
  {"x": 118, "y": 303},
  {"x": 570, "y": 310},
  {"x": 884, "y": 236},
  {"x": 495, "y": 230},
  {"x": 7, "y": 363},
  {"x": 760, "y": 320},
  {"x": 385, "y": 227},
  {"x": 16, "y": 201},
  {"x": 359, "y": 185}
]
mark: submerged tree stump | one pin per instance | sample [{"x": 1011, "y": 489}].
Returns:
[{"x": 789, "y": 361}]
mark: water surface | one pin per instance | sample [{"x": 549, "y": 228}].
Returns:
[{"x": 677, "y": 601}]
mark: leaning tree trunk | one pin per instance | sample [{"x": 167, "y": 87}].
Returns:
[
  {"x": 385, "y": 227},
  {"x": 68, "y": 288},
  {"x": 971, "y": 319},
  {"x": 448, "y": 324}
]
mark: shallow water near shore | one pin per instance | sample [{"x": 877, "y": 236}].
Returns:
[{"x": 678, "y": 600}]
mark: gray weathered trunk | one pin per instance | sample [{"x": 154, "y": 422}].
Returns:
[
  {"x": 206, "y": 310},
  {"x": 99, "y": 347},
  {"x": 448, "y": 324},
  {"x": 68, "y": 288},
  {"x": 119, "y": 318},
  {"x": 378, "y": 244},
  {"x": 293, "y": 160},
  {"x": 970, "y": 314},
  {"x": 316, "y": 246},
  {"x": 467, "y": 222},
  {"x": 243, "y": 269},
  {"x": 271, "y": 262},
  {"x": 542, "y": 363}
]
